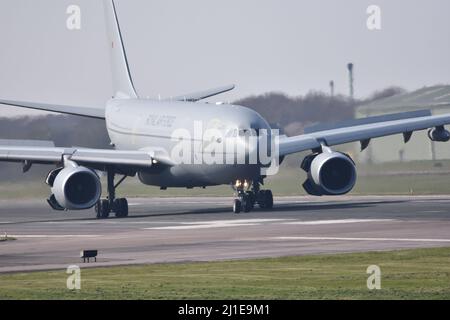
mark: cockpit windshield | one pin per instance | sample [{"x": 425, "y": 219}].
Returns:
[{"x": 242, "y": 133}]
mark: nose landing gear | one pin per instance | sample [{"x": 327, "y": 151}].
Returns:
[{"x": 249, "y": 194}]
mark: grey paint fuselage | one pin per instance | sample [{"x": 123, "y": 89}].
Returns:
[{"x": 148, "y": 124}]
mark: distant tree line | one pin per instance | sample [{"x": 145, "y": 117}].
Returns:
[
  {"x": 293, "y": 114},
  {"x": 290, "y": 114}
]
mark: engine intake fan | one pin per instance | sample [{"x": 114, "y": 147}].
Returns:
[{"x": 329, "y": 173}]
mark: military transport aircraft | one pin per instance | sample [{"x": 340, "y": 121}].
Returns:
[{"x": 141, "y": 133}]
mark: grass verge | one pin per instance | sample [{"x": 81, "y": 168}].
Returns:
[
  {"x": 379, "y": 179},
  {"x": 406, "y": 274}
]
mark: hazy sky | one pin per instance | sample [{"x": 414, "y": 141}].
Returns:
[{"x": 175, "y": 47}]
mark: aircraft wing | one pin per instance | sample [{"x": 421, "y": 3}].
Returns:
[
  {"x": 95, "y": 158},
  {"x": 90, "y": 112},
  {"x": 197, "y": 96},
  {"x": 362, "y": 133}
]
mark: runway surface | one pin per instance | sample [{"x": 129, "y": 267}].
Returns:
[{"x": 204, "y": 229}]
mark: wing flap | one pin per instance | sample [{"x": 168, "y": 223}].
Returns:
[
  {"x": 15, "y": 153},
  {"x": 368, "y": 120},
  {"x": 94, "y": 157},
  {"x": 114, "y": 157}
]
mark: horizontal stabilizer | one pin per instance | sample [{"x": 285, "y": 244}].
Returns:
[
  {"x": 89, "y": 112},
  {"x": 27, "y": 143},
  {"x": 197, "y": 96}
]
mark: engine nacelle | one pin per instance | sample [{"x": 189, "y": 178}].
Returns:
[
  {"x": 329, "y": 173},
  {"x": 439, "y": 134},
  {"x": 74, "y": 188}
]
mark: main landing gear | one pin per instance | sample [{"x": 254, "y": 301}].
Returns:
[
  {"x": 105, "y": 206},
  {"x": 249, "y": 194}
]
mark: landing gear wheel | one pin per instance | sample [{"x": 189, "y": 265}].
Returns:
[
  {"x": 265, "y": 199},
  {"x": 248, "y": 202},
  {"x": 262, "y": 199},
  {"x": 121, "y": 208},
  {"x": 251, "y": 198},
  {"x": 102, "y": 209},
  {"x": 237, "y": 206},
  {"x": 105, "y": 206},
  {"x": 269, "y": 199}
]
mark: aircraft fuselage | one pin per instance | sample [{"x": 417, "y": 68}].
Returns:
[{"x": 141, "y": 124}]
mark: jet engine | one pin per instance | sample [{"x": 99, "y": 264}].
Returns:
[
  {"x": 439, "y": 134},
  {"x": 329, "y": 173},
  {"x": 73, "y": 188}
]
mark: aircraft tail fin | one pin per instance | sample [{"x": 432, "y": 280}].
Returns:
[{"x": 121, "y": 76}]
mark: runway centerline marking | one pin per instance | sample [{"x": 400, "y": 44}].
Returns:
[
  {"x": 205, "y": 226},
  {"x": 361, "y": 239},
  {"x": 118, "y": 222},
  {"x": 217, "y": 224},
  {"x": 237, "y": 221},
  {"x": 18, "y": 236},
  {"x": 255, "y": 222},
  {"x": 340, "y": 221}
]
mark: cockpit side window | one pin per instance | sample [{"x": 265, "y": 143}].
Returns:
[
  {"x": 244, "y": 132},
  {"x": 233, "y": 133},
  {"x": 248, "y": 132}
]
